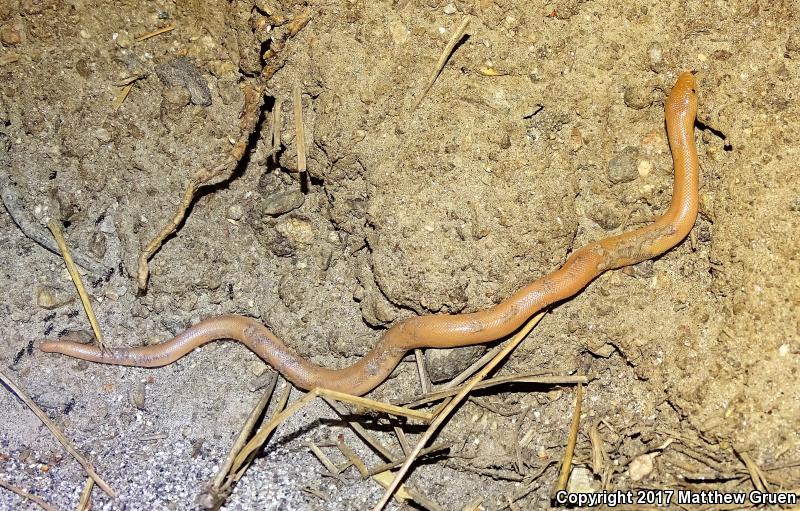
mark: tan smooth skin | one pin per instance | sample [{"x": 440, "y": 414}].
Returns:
[{"x": 449, "y": 331}]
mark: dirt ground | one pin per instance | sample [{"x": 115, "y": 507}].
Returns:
[{"x": 544, "y": 131}]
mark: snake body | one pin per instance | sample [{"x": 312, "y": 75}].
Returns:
[{"x": 449, "y": 331}]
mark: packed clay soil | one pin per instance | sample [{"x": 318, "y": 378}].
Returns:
[{"x": 543, "y": 131}]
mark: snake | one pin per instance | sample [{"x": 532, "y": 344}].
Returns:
[{"x": 451, "y": 330}]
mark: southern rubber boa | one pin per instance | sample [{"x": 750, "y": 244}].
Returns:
[{"x": 449, "y": 331}]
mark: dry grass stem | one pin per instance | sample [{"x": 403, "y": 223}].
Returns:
[
  {"x": 162, "y": 30},
  {"x": 469, "y": 371},
  {"x": 365, "y": 435},
  {"x": 448, "y": 409},
  {"x": 25, "y": 495},
  {"x": 122, "y": 95},
  {"x": 422, "y": 369},
  {"x": 535, "y": 378},
  {"x": 85, "y": 502},
  {"x": 244, "y": 433},
  {"x": 446, "y": 52},
  {"x": 405, "y": 493},
  {"x": 76, "y": 279},
  {"x": 299, "y": 129},
  {"x": 566, "y": 464},
  {"x": 352, "y": 456},
  {"x": 394, "y": 464}
]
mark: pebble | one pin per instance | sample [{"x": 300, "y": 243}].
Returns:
[
  {"x": 11, "y": 34},
  {"x": 257, "y": 367},
  {"x": 178, "y": 96},
  {"x": 641, "y": 466},
  {"x": 53, "y": 399},
  {"x": 182, "y": 72},
  {"x": 795, "y": 205},
  {"x": 98, "y": 245},
  {"x": 656, "y": 55},
  {"x": 262, "y": 380},
  {"x": 296, "y": 230},
  {"x": 83, "y": 68},
  {"x": 444, "y": 365},
  {"x": 138, "y": 396},
  {"x": 46, "y": 298},
  {"x": 793, "y": 42},
  {"x": 607, "y": 217},
  {"x": 103, "y": 135},
  {"x": 280, "y": 203},
  {"x": 235, "y": 212},
  {"x": 581, "y": 480},
  {"x": 638, "y": 98},
  {"x": 623, "y": 167},
  {"x": 644, "y": 168},
  {"x": 123, "y": 39},
  {"x": 450, "y": 9}
]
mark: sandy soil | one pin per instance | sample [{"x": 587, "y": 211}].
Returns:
[{"x": 543, "y": 132}]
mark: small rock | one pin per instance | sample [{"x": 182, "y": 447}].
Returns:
[
  {"x": 297, "y": 231},
  {"x": 83, "y": 68},
  {"x": 103, "y": 135},
  {"x": 607, "y": 217},
  {"x": 641, "y": 466},
  {"x": 293, "y": 292},
  {"x": 138, "y": 396},
  {"x": 638, "y": 98},
  {"x": 140, "y": 310},
  {"x": 644, "y": 168},
  {"x": 11, "y": 34},
  {"x": 599, "y": 348},
  {"x": 643, "y": 270},
  {"x": 107, "y": 225},
  {"x": 793, "y": 43},
  {"x": 53, "y": 400},
  {"x": 228, "y": 90},
  {"x": 124, "y": 39},
  {"x": 181, "y": 72},
  {"x": 623, "y": 167},
  {"x": 704, "y": 234},
  {"x": 235, "y": 212},
  {"x": 795, "y": 205},
  {"x": 444, "y": 365},
  {"x": 656, "y": 55},
  {"x": 210, "y": 281},
  {"x": 81, "y": 336},
  {"x": 282, "y": 202},
  {"x": 450, "y": 9},
  {"x": 46, "y": 298},
  {"x": 257, "y": 367},
  {"x": 177, "y": 96},
  {"x": 581, "y": 481},
  {"x": 98, "y": 245},
  {"x": 262, "y": 380},
  {"x": 376, "y": 310}
]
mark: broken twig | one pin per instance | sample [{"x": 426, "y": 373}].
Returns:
[{"x": 253, "y": 99}]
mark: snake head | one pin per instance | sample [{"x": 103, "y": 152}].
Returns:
[{"x": 683, "y": 97}]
